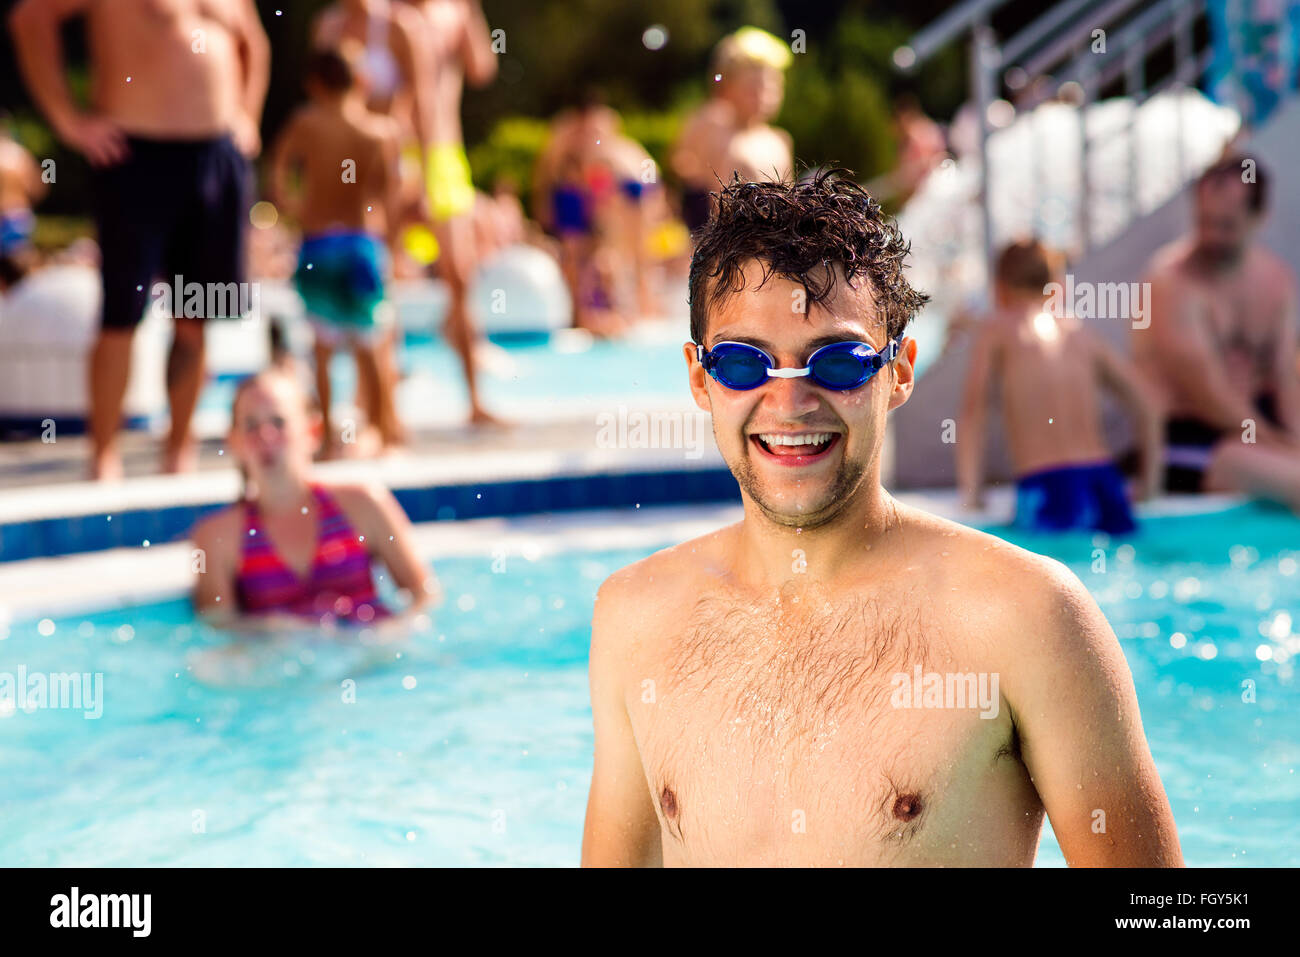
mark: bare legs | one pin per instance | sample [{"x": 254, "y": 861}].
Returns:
[
  {"x": 110, "y": 370},
  {"x": 109, "y": 374},
  {"x": 322, "y": 354},
  {"x": 184, "y": 382},
  {"x": 456, "y": 262},
  {"x": 376, "y": 388},
  {"x": 1269, "y": 472}
]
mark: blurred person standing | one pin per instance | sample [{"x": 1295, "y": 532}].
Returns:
[
  {"x": 730, "y": 132},
  {"x": 459, "y": 50},
  {"x": 177, "y": 88},
  {"x": 343, "y": 264}
]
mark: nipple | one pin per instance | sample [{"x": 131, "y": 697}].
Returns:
[
  {"x": 668, "y": 801},
  {"x": 907, "y": 806}
]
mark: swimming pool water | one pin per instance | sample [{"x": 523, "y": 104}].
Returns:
[
  {"x": 471, "y": 744},
  {"x": 526, "y": 373}
]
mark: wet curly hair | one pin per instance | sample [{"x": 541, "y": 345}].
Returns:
[{"x": 795, "y": 231}]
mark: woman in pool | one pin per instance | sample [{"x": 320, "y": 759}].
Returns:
[{"x": 293, "y": 549}]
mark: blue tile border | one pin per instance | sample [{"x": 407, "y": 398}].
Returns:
[
  {"x": 31, "y": 425},
  {"x": 66, "y": 535}
]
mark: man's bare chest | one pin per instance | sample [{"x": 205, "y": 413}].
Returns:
[{"x": 836, "y": 729}]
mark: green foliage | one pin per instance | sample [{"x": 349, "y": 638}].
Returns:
[
  {"x": 510, "y": 151},
  {"x": 838, "y": 118},
  {"x": 57, "y": 232},
  {"x": 656, "y": 132},
  {"x": 838, "y": 94}
]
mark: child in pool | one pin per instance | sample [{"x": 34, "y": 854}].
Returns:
[
  {"x": 1048, "y": 369},
  {"x": 349, "y": 202},
  {"x": 295, "y": 550}
]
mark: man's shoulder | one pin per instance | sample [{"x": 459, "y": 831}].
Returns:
[
  {"x": 1008, "y": 581},
  {"x": 407, "y": 17},
  {"x": 667, "y": 570},
  {"x": 657, "y": 587},
  {"x": 302, "y": 117},
  {"x": 1272, "y": 269},
  {"x": 1168, "y": 261}
]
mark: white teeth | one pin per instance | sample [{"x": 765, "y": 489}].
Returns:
[{"x": 811, "y": 438}]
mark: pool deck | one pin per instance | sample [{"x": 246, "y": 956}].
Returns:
[{"x": 31, "y": 463}]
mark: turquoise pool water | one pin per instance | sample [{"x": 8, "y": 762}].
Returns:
[
  {"x": 527, "y": 371},
  {"x": 471, "y": 744}
]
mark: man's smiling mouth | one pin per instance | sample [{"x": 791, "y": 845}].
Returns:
[{"x": 795, "y": 448}]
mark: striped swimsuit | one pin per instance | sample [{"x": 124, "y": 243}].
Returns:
[{"x": 339, "y": 586}]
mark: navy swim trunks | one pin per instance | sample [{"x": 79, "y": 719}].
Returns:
[
  {"x": 171, "y": 208},
  {"x": 1088, "y": 496}
]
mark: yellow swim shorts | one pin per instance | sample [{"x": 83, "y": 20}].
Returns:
[{"x": 448, "y": 180}]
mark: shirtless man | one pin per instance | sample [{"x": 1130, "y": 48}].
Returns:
[
  {"x": 752, "y": 688},
  {"x": 177, "y": 93},
  {"x": 1050, "y": 369},
  {"x": 460, "y": 49},
  {"x": 730, "y": 132},
  {"x": 1222, "y": 348}
]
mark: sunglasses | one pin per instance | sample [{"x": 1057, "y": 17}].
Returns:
[{"x": 840, "y": 366}]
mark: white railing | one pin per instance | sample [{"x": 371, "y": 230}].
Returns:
[{"x": 1062, "y": 54}]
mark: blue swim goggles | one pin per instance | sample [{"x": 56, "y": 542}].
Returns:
[{"x": 840, "y": 366}]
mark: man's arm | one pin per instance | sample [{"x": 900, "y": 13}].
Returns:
[
  {"x": 414, "y": 56},
  {"x": 255, "y": 57},
  {"x": 389, "y": 160},
  {"x": 1286, "y": 377},
  {"x": 974, "y": 415},
  {"x": 35, "y": 27},
  {"x": 1076, "y": 716},
  {"x": 1120, "y": 375},
  {"x": 286, "y": 154},
  {"x": 476, "y": 47},
  {"x": 621, "y": 829},
  {"x": 1180, "y": 331}
]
